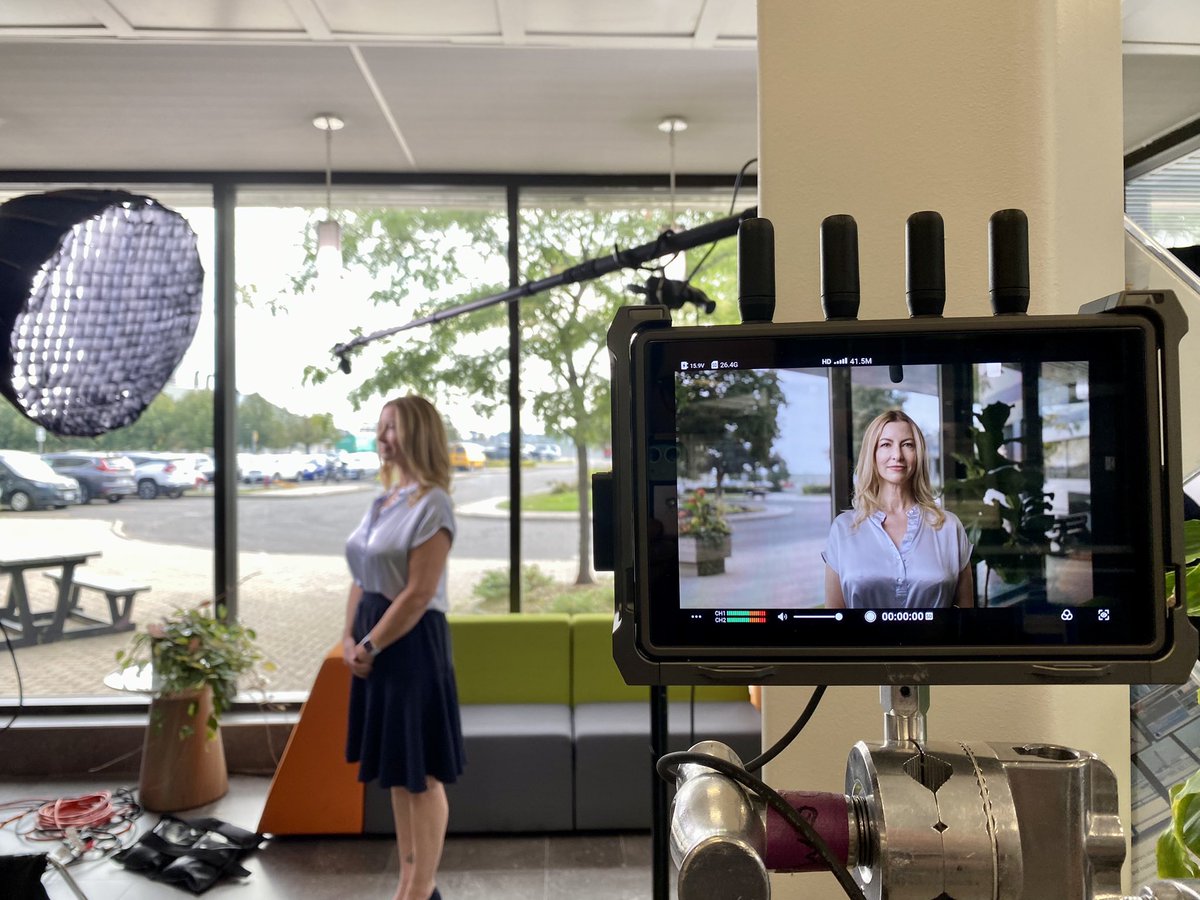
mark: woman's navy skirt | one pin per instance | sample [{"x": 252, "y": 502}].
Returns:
[{"x": 404, "y": 721}]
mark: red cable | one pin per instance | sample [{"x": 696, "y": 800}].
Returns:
[{"x": 87, "y": 810}]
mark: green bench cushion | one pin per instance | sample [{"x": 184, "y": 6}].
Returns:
[
  {"x": 596, "y": 679},
  {"x": 523, "y": 658}
]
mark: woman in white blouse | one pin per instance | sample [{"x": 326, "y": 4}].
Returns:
[
  {"x": 896, "y": 549},
  {"x": 404, "y": 729}
]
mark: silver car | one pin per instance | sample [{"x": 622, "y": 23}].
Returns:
[
  {"x": 107, "y": 475},
  {"x": 163, "y": 473}
]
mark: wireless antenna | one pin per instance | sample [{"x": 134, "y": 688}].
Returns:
[
  {"x": 839, "y": 267},
  {"x": 1008, "y": 262},
  {"x": 925, "y": 238},
  {"x": 756, "y": 270}
]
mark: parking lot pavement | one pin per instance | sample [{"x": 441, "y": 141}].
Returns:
[{"x": 295, "y": 602}]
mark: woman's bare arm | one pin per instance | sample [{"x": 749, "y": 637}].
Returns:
[
  {"x": 834, "y": 598},
  {"x": 964, "y": 594}
]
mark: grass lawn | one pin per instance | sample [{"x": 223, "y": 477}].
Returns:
[{"x": 566, "y": 501}]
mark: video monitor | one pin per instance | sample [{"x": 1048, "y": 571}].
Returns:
[{"x": 984, "y": 489}]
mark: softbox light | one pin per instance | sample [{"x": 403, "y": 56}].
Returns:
[{"x": 100, "y": 295}]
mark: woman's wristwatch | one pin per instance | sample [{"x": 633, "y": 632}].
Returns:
[{"x": 368, "y": 645}]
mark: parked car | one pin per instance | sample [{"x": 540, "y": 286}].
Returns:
[
  {"x": 496, "y": 451},
  {"x": 253, "y": 468},
  {"x": 547, "y": 452},
  {"x": 163, "y": 473},
  {"x": 27, "y": 482},
  {"x": 465, "y": 456},
  {"x": 203, "y": 464},
  {"x": 360, "y": 464},
  {"x": 107, "y": 475}
]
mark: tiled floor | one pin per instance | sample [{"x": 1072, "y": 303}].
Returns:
[{"x": 496, "y": 867}]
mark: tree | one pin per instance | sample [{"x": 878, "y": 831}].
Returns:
[
  {"x": 441, "y": 255},
  {"x": 16, "y": 431},
  {"x": 729, "y": 420},
  {"x": 260, "y": 425},
  {"x": 318, "y": 429},
  {"x": 182, "y": 424},
  {"x": 868, "y": 402}
]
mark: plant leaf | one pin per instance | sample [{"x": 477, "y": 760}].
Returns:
[
  {"x": 1173, "y": 859},
  {"x": 1185, "y": 813}
]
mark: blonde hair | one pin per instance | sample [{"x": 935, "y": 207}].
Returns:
[
  {"x": 420, "y": 438},
  {"x": 866, "y": 473}
]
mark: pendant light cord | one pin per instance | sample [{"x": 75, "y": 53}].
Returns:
[{"x": 329, "y": 172}]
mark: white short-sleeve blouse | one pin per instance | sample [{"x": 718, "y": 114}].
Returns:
[
  {"x": 377, "y": 551},
  {"x": 874, "y": 573}
]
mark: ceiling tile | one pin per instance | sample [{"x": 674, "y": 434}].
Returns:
[
  {"x": 630, "y": 17},
  {"x": 40, "y": 14},
  {"x": 209, "y": 15},
  {"x": 411, "y": 17}
]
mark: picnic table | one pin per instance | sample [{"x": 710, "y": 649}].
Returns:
[{"x": 27, "y": 627}]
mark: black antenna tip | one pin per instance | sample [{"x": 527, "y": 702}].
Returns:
[
  {"x": 925, "y": 237},
  {"x": 1008, "y": 261},
  {"x": 839, "y": 267},
  {"x": 756, "y": 270}
]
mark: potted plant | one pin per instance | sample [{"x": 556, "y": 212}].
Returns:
[
  {"x": 195, "y": 657},
  {"x": 1178, "y": 847},
  {"x": 1004, "y": 507},
  {"x": 704, "y": 534}
]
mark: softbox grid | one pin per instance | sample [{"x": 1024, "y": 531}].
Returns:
[{"x": 100, "y": 300}]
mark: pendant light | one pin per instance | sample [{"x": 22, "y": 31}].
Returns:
[
  {"x": 329, "y": 232},
  {"x": 676, "y": 267}
]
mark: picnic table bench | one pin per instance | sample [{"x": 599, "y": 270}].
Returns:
[
  {"x": 118, "y": 592},
  {"x": 43, "y": 627}
]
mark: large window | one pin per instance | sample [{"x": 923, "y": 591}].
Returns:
[
  {"x": 145, "y": 511},
  {"x": 565, "y": 368},
  {"x": 304, "y": 459},
  {"x": 306, "y": 431}
]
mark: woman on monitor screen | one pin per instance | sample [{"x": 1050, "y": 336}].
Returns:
[{"x": 896, "y": 549}]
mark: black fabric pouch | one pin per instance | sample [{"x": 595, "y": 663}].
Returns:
[
  {"x": 21, "y": 877},
  {"x": 190, "y": 853}
]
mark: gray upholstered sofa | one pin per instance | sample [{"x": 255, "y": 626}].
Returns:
[{"x": 555, "y": 739}]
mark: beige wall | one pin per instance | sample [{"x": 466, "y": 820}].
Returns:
[{"x": 880, "y": 109}]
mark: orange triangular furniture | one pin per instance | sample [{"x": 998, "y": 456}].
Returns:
[{"x": 315, "y": 791}]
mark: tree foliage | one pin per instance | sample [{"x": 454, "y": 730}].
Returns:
[
  {"x": 430, "y": 261},
  {"x": 1003, "y": 503},
  {"x": 184, "y": 424},
  {"x": 868, "y": 402},
  {"x": 728, "y": 421}
]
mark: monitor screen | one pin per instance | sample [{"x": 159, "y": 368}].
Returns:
[{"x": 898, "y": 493}]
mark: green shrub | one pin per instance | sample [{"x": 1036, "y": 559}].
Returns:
[
  {"x": 540, "y": 592},
  {"x": 815, "y": 489}
]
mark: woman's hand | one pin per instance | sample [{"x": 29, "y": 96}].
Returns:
[{"x": 357, "y": 660}]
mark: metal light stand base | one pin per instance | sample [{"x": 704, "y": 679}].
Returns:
[{"x": 919, "y": 819}]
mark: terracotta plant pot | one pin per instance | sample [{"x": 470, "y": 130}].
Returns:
[{"x": 181, "y": 773}]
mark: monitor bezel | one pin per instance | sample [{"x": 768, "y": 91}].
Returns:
[{"x": 1171, "y": 649}]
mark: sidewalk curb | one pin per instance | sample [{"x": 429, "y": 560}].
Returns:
[{"x": 490, "y": 509}]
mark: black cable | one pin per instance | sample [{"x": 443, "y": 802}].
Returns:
[
  {"x": 666, "y": 770},
  {"x": 780, "y": 745},
  {"x": 17, "y": 671},
  {"x": 737, "y": 185}
]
